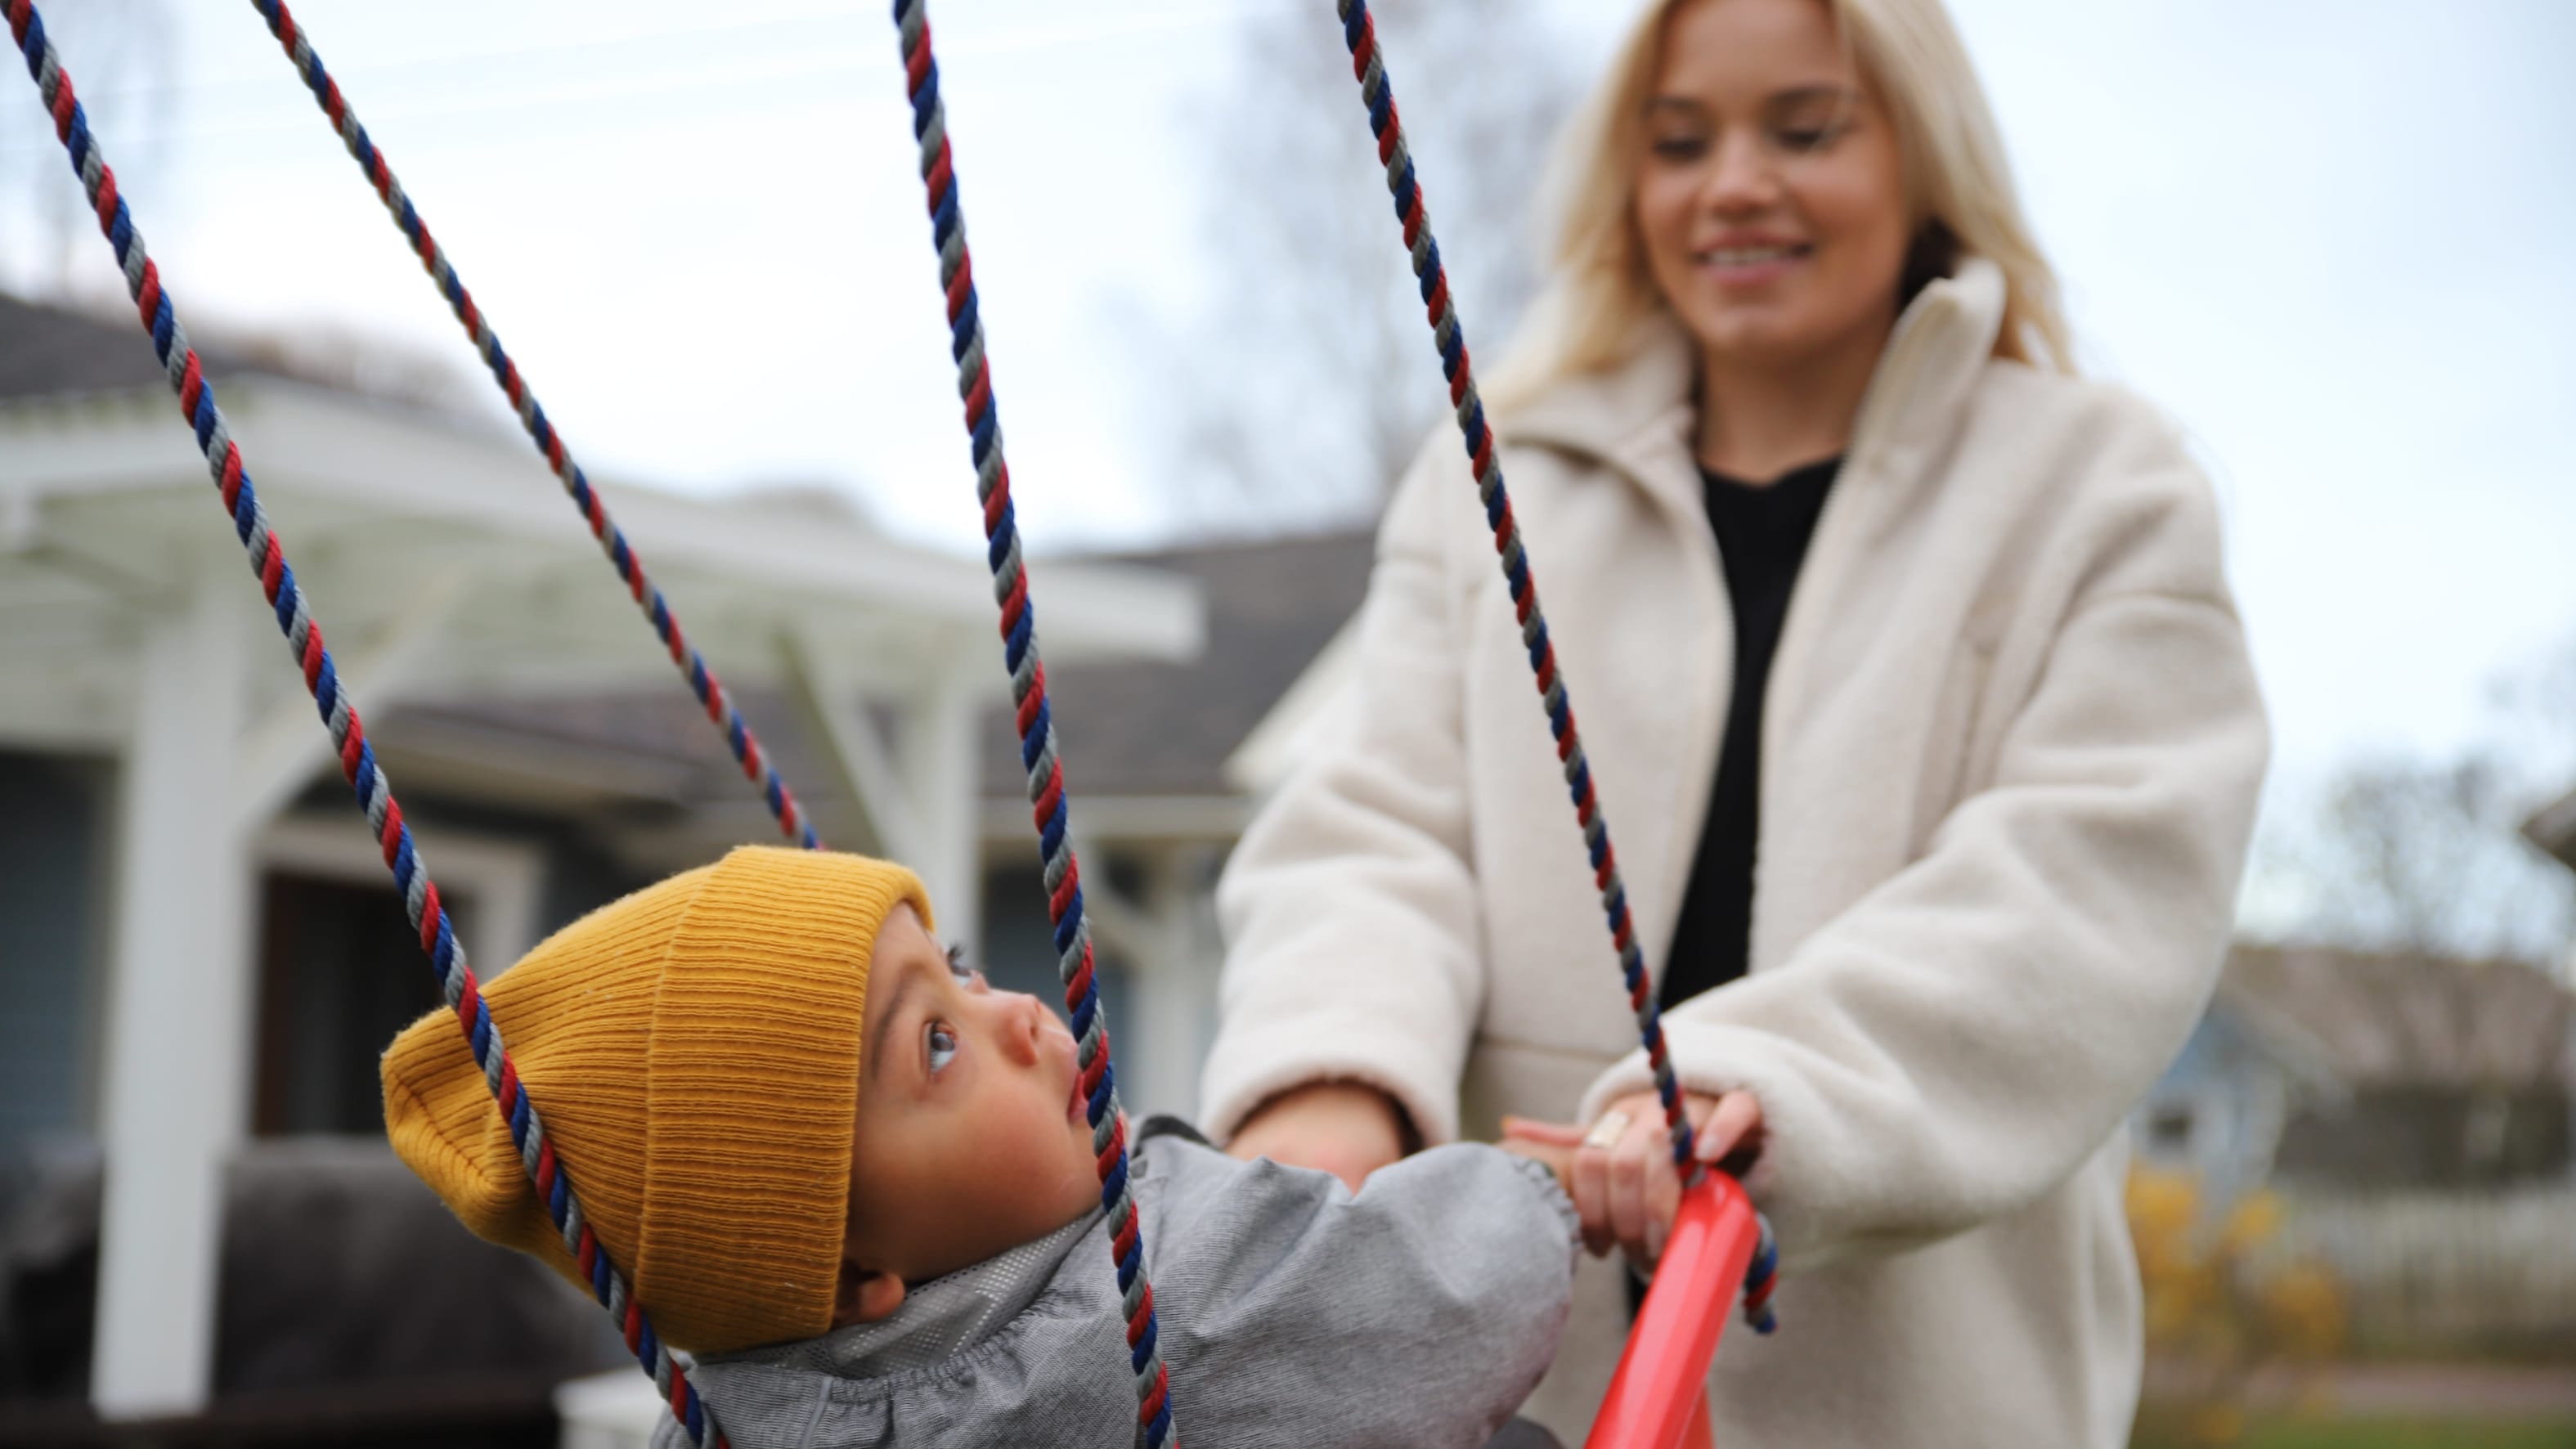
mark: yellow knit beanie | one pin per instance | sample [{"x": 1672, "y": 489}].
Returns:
[{"x": 693, "y": 1050}]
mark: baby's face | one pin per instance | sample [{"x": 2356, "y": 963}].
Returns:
[{"x": 970, "y": 1137}]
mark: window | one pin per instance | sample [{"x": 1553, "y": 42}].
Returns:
[
  {"x": 2169, "y": 1130},
  {"x": 2429, "y": 1137},
  {"x": 339, "y": 974},
  {"x": 340, "y": 970}
]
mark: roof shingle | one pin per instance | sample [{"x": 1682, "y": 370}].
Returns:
[{"x": 1168, "y": 729}]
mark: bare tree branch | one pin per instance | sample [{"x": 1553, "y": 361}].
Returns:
[
  {"x": 1309, "y": 379},
  {"x": 122, "y": 54},
  {"x": 2428, "y": 857}
]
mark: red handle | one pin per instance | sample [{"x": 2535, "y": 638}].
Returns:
[{"x": 1659, "y": 1398}]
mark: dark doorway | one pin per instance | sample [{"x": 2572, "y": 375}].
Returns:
[{"x": 340, "y": 974}]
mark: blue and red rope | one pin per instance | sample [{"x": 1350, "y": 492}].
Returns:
[
  {"x": 711, "y": 693},
  {"x": 1368, "y": 66},
  {"x": 421, "y": 902},
  {"x": 1038, "y": 754},
  {"x": 1018, "y": 627}
]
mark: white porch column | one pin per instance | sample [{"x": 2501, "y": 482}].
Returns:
[
  {"x": 918, "y": 790},
  {"x": 1167, "y": 940},
  {"x": 1177, "y": 1014},
  {"x": 936, "y": 755},
  {"x": 178, "y": 1007}
]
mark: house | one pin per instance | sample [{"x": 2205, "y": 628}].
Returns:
[
  {"x": 1166, "y": 762},
  {"x": 200, "y": 953},
  {"x": 2554, "y": 829},
  {"x": 2415, "y": 1115},
  {"x": 2348, "y": 1070}
]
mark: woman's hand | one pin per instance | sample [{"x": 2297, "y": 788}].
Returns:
[
  {"x": 1347, "y": 1129},
  {"x": 1620, "y": 1173}
]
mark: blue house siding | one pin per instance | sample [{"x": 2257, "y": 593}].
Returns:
[{"x": 2218, "y": 1110}]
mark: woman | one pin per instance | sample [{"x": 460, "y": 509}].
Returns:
[{"x": 1941, "y": 848}]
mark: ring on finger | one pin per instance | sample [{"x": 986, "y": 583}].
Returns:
[{"x": 1605, "y": 1134}]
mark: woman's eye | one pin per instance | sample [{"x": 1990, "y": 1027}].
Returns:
[
  {"x": 942, "y": 1042},
  {"x": 1808, "y": 138},
  {"x": 1679, "y": 148}
]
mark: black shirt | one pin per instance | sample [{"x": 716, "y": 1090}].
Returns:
[{"x": 1762, "y": 534}]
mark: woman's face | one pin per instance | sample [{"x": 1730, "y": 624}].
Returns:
[{"x": 1771, "y": 195}]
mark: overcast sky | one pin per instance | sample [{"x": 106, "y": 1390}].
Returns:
[{"x": 2330, "y": 236}]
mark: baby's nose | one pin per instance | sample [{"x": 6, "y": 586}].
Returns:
[{"x": 1028, "y": 1020}]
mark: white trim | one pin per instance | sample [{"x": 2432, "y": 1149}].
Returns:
[
  {"x": 1313, "y": 712},
  {"x": 832, "y": 710},
  {"x": 1166, "y": 937},
  {"x": 502, "y": 879},
  {"x": 1008, "y": 833},
  {"x": 308, "y": 440},
  {"x": 177, "y": 1016},
  {"x": 285, "y": 747}
]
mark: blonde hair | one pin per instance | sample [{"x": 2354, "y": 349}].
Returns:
[{"x": 1957, "y": 181}]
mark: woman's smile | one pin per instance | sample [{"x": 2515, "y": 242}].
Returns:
[{"x": 1746, "y": 262}]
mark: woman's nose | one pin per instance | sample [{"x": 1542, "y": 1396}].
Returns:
[{"x": 1740, "y": 177}]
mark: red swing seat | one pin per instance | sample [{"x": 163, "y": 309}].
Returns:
[{"x": 1659, "y": 1397}]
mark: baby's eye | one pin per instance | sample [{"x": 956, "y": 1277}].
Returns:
[
  {"x": 942, "y": 1041},
  {"x": 958, "y": 967}
]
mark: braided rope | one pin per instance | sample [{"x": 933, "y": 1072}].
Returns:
[
  {"x": 421, "y": 903},
  {"x": 711, "y": 693},
  {"x": 1036, "y": 725},
  {"x": 1368, "y": 66},
  {"x": 1046, "y": 786}
]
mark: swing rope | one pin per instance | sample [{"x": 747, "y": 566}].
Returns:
[
  {"x": 1032, "y": 716},
  {"x": 1039, "y": 754},
  {"x": 1038, "y": 751},
  {"x": 421, "y": 903},
  {"x": 1368, "y": 66},
  {"x": 1036, "y": 725},
  {"x": 711, "y": 693}
]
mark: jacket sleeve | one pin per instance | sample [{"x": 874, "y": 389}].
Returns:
[
  {"x": 1962, "y": 1039},
  {"x": 1420, "y": 1311},
  {"x": 1349, "y": 907}
]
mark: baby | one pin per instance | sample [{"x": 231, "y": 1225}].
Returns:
[{"x": 856, "y": 1183}]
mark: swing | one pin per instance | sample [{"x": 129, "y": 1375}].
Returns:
[{"x": 1717, "y": 1241}]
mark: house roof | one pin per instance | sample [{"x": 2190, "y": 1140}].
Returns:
[
  {"x": 449, "y": 561},
  {"x": 1157, "y": 729},
  {"x": 2380, "y": 1020},
  {"x": 1129, "y": 728},
  {"x": 53, "y": 351},
  {"x": 2554, "y": 829},
  {"x": 1150, "y": 731}
]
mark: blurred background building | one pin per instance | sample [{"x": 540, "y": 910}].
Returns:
[{"x": 2355, "y": 1184}]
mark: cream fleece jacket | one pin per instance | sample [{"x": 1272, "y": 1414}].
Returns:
[{"x": 2010, "y": 757}]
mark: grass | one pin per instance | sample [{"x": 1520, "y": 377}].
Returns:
[{"x": 2307, "y": 1432}]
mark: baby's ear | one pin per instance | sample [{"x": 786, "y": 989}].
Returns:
[{"x": 864, "y": 1295}]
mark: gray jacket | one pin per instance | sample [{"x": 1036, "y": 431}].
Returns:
[{"x": 1418, "y": 1312}]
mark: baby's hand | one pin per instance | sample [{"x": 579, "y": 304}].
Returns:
[
  {"x": 1556, "y": 1157},
  {"x": 1620, "y": 1174}
]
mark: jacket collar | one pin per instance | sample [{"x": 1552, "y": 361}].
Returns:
[
  {"x": 938, "y": 1320},
  {"x": 1638, "y": 416}
]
